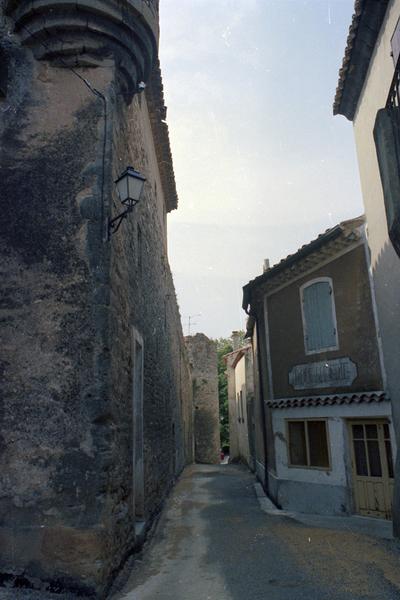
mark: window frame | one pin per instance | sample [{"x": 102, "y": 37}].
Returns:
[
  {"x": 303, "y": 317},
  {"x": 308, "y": 466}
]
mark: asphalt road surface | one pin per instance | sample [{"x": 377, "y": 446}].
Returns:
[{"x": 213, "y": 542}]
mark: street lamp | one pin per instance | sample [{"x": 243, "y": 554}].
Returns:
[{"x": 129, "y": 187}]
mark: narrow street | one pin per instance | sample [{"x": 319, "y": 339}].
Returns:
[{"x": 213, "y": 542}]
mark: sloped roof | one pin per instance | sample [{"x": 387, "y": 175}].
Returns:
[
  {"x": 341, "y": 235},
  {"x": 349, "y": 398},
  {"x": 363, "y": 33}
]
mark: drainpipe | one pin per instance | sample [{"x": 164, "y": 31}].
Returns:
[
  {"x": 262, "y": 403},
  {"x": 261, "y": 395}
]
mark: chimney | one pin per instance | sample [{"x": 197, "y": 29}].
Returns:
[
  {"x": 266, "y": 265},
  {"x": 236, "y": 340}
]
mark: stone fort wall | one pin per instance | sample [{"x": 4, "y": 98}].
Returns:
[
  {"x": 72, "y": 298},
  {"x": 203, "y": 362}
]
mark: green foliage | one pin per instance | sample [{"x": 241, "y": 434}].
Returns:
[{"x": 224, "y": 346}]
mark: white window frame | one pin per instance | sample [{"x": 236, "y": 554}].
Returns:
[{"x": 333, "y": 308}]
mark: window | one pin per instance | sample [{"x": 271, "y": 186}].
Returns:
[
  {"x": 308, "y": 444},
  {"x": 319, "y": 317},
  {"x": 239, "y": 399}
]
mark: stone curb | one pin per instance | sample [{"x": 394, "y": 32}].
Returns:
[{"x": 267, "y": 505}]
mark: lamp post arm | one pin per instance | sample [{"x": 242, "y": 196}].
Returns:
[{"x": 114, "y": 224}]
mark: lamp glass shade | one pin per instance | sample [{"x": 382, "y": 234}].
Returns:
[{"x": 130, "y": 186}]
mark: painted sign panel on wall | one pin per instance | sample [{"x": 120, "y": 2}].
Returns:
[{"x": 339, "y": 372}]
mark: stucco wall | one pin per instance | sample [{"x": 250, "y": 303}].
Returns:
[
  {"x": 316, "y": 490},
  {"x": 385, "y": 263},
  {"x": 241, "y": 418},
  {"x": 241, "y": 409},
  {"x": 355, "y": 326}
]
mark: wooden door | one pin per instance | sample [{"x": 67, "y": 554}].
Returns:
[{"x": 372, "y": 468}]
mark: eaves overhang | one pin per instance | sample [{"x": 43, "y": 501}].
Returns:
[
  {"x": 325, "y": 247},
  {"x": 287, "y": 263},
  {"x": 363, "y": 33},
  {"x": 328, "y": 400}
]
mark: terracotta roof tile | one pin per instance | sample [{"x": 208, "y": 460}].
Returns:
[
  {"x": 345, "y": 227},
  {"x": 364, "y": 29},
  {"x": 350, "y": 398}
]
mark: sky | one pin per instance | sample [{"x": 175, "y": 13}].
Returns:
[{"x": 261, "y": 165}]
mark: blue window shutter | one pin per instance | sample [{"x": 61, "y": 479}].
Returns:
[{"x": 318, "y": 315}]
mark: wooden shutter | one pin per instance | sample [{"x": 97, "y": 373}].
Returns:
[
  {"x": 387, "y": 143},
  {"x": 320, "y": 329}
]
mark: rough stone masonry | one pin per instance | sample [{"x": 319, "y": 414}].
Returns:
[
  {"x": 203, "y": 362},
  {"x": 96, "y": 396}
]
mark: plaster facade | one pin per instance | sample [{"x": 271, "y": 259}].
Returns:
[
  {"x": 275, "y": 303},
  {"x": 379, "y": 67},
  {"x": 239, "y": 367},
  {"x": 321, "y": 491},
  {"x": 96, "y": 401},
  {"x": 385, "y": 264}
]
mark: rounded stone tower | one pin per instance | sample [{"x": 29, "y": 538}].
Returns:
[{"x": 70, "y": 122}]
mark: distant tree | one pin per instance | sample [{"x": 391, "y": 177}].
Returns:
[{"x": 224, "y": 346}]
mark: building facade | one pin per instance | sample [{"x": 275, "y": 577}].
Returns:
[
  {"x": 240, "y": 376},
  {"x": 96, "y": 399},
  {"x": 367, "y": 95},
  {"x": 328, "y": 429}
]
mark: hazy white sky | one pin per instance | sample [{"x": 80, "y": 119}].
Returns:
[{"x": 261, "y": 165}]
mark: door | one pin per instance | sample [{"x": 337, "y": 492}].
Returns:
[{"x": 372, "y": 468}]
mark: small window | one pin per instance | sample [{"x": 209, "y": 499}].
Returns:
[
  {"x": 239, "y": 403},
  {"x": 319, "y": 317},
  {"x": 308, "y": 444}
]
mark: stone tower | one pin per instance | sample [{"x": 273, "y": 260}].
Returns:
[
  {"x": 88, "y": 321},
  {"x": 203, "y": 361}
]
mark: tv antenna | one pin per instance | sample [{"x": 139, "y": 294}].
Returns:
[{"x": 191, "y": 322}]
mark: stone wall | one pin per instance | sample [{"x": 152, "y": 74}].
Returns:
[
  {"x": 203, "y": 362},
  {"x": 71, "y": 302},
  {"x": 143, "y": 296}
]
